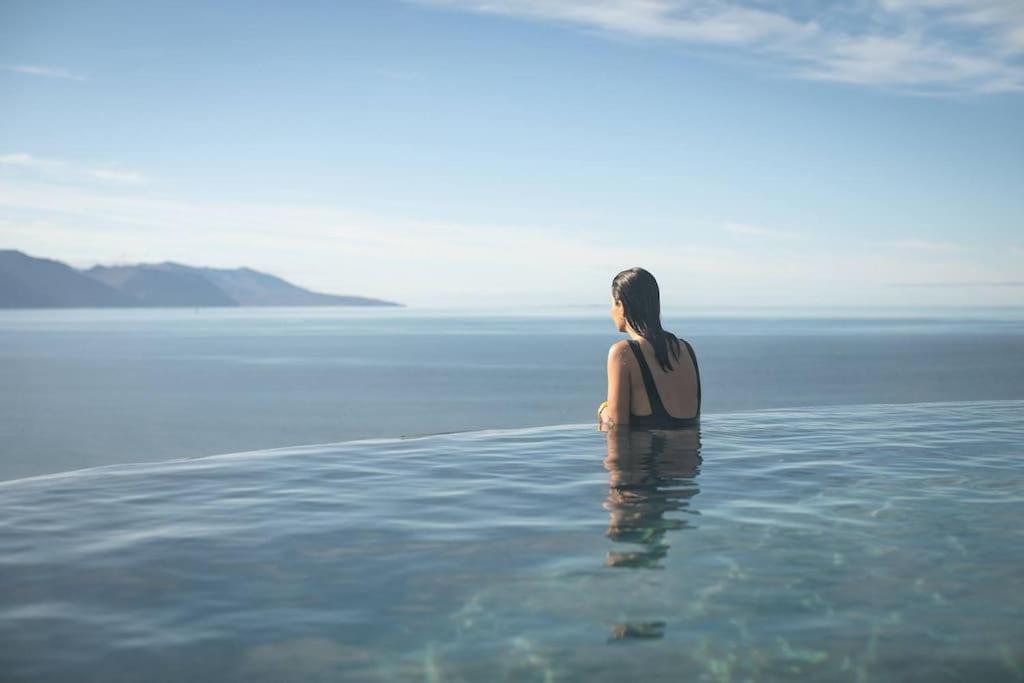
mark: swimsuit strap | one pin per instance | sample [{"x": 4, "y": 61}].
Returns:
[
  {"x": 657, "y": 408},
  {"x": 696, "y": 369}
]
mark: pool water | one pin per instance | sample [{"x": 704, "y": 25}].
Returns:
[{"x": 853, "y": 543}]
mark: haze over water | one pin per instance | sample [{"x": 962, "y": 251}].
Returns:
[{"x": 80, "y": 388}]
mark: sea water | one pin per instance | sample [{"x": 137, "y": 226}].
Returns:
[
  {"x": 853, "y": 543},
  {"x": 80, "y": 388}
]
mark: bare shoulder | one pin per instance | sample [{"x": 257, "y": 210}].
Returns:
[
  {"x": 618, "y": 349},
  {"x": 618, "y": 354}
]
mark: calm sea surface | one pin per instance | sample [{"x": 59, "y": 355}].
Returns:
[
  {"x": 856, "y": 543},
  {"x": 94, "y": 387}
]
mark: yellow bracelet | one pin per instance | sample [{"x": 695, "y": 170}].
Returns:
[{"x": 604, "y": 404}]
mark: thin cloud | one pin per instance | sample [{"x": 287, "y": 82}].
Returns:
[
  {"x": 45, "y": 72},
  {"x": 671, "y": 19},
  {"x": 1001, "y": 20},
  {"x": 60, "y": 169},
  {"x": 326, "y": 247},
  {"x": 29, "y": 161},
  {"x": 898, "y": 44},
  {"x": 395, "y": 257},
  {"x": 127, "y": 177},
  {"x": 909, "y": 61}
]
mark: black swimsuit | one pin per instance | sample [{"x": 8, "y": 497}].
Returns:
[{"x": 659, "y": 417}]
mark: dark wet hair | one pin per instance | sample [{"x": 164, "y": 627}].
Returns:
[{"x": 641, "y": 304}]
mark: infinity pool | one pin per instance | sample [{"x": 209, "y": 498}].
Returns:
[{"x": 857, "y": 543}]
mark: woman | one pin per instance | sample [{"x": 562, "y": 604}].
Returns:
[{"x": 651, "y": 383}]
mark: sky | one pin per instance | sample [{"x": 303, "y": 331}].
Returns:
[{"x": 475, "y": 153}]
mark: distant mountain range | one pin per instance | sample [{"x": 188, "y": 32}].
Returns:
[{"x": 29, "y": 282}]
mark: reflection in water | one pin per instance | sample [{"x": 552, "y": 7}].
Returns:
[{"x": 650, "y": 473}]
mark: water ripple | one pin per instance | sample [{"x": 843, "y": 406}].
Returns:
[{"x": 865, "y": 542}]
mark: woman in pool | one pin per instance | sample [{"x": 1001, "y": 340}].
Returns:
[{"x": 651, "y": 383}]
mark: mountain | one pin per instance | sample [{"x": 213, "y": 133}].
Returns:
[
  {"x": 162, "y": 284},
  {"x": 252, "y": 288},
  {"x": 29, "y": 282}
]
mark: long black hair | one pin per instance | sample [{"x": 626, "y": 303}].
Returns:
[{"x": 641, "y": 304}]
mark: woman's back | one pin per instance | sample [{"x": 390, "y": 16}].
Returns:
[
  {"x": 659, "y": 398},
  {"x": 653, "y": 379}
]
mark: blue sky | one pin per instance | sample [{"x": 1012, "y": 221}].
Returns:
[{"x": 520, "y": 152}]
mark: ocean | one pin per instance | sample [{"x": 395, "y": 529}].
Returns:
[
  {"x": 423, "y": 496},
  {"x": 82, "y": 388}
]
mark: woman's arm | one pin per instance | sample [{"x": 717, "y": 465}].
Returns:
[{"x": 616, "y": 412}]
